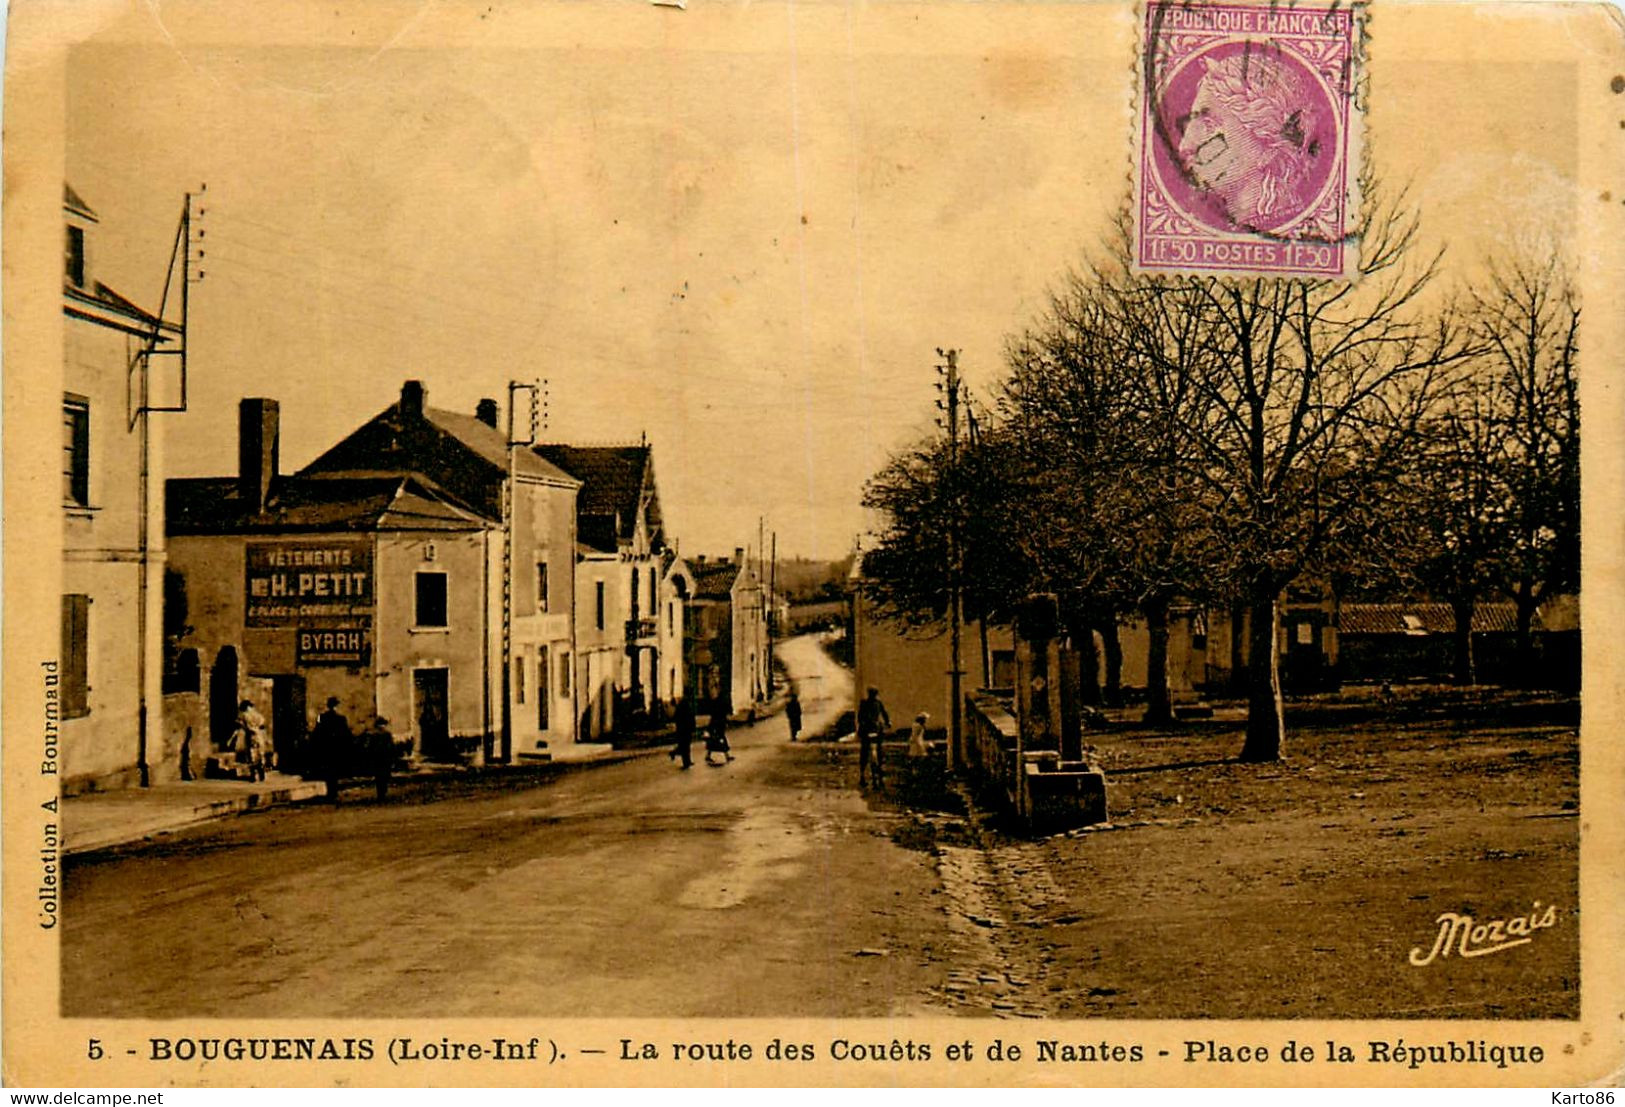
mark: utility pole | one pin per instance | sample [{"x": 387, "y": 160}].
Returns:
[
  {"x": 186, "y": 238},
  {"x": 981, "y": 614},
  {"x": 773, "y": 605},
  {"x": 950, "y": 385},
  {"x": 505, "y": 751}
]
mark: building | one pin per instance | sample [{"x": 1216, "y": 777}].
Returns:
[
  {"x": 1416, "y": 641},
  {"x": 462, "y": 635},
  {"x": 600, "y": 634},
  {"x": 109, "y": 672},
  {"x": 371, "y": 588},
  {"x": 677, "y": 591},
  {"x": 910, "y": 665},
  {"x": 534, "y": 505},
  {"x": 637, "y": 675},
  {"x": 727, "y": 632}
]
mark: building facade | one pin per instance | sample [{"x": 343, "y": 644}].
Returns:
[
  {"x": 109, "y": 670},
  {"x": 533, "y": 504},
  {"x": 372, "y": 589},
  {"x": 728, "y": 633},
  {"x": 633, "y": 667}
]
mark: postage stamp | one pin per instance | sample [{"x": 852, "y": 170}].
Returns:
[{"x": 1248, "y": 139}]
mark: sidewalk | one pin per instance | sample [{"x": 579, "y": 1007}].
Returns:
[
  {"x": 97, "y": 820},
  {"x": 101, "y": 820}
]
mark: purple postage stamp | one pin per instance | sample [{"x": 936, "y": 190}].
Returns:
[{"x": 1248, "y": 144}]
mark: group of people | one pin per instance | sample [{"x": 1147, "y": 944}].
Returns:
[
  {"x": 336, "y": 749},
  {"x": 873, "y": 721},
  {"x": 716, "y": 733}
]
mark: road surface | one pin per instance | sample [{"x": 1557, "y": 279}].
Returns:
[{"x": 765, "y": 887}]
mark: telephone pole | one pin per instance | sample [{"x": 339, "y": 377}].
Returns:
[
  {"x": 536, "y": 390},
  {"x": 950, "y": 386}
]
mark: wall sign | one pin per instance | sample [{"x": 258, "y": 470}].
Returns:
[{"x": 326, "y": 583}]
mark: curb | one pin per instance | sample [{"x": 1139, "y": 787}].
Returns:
[{"x": 146, "y": 830}]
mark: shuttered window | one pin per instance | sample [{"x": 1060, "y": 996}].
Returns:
[{"x": 75, "y": 656}]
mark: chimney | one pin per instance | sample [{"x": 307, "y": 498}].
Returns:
[
  {"x": 739, "y": 556},
  {"x": 486, "y": 412},
  {"x": 258, "y": 433},
  {"x": 412, "y": 394}
]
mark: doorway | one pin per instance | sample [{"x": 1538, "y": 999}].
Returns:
[
  {"x": 223, "y": 697},
  {"x": 288, "y": 721},
  {"x": 430, "y": 697}
]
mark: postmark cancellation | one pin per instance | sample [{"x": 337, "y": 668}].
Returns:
[{"x": 1247, "y": 145}]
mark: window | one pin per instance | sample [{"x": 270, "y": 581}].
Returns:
[
  {"x": 75, "y": 262},
  {"x": 76, "y": 451},
  {"x": 541, "y": 586},
  {"x": 431, "y": 599},
  {"x": 519, "y": 678},
  {"x": 599, "y": 601},
  {"x": 633, "y": 594},
  {"x": 654, "y": 600},
  {"x": 75, "y": 656},
  {"x": 671, "y": 617},
  {"x": 564, "y": 675},
  {"x": 541, "y": 690}
]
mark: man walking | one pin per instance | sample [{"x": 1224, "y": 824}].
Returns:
[
  {"x": 792, "y": 712},
  {"x": 331, "y": 737},
  {"x": 380, "y": 745},
  {"x": 873, "y": 721},
  {"x": 683, "y": 746}
]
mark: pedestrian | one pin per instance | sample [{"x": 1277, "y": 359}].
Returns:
[
  {"x": 683, "y": 745},
  {"x": 792, "y": 712},
  {"x": 873, "y": 721},
  {"x": 380, "y": 747},
  {"x": 716, "y": 736},
  {"x": 917, "y": 746},
  {"x": 332, "y": 739},
  {"x": 251, "y": 739}
]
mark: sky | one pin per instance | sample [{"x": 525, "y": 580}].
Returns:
[{"x": 741, "y": 230}]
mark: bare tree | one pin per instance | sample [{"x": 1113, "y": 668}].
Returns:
[
  {"x": 1527, "y": 314},
  {"x": 1317, "y": 393}
]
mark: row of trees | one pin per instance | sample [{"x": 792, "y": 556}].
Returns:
[{"x": 1161, "y": 439}]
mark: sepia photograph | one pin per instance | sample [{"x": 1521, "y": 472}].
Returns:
[{"x": 771, "y": 540}]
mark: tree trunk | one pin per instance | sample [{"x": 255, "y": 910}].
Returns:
[
  {"x": 1159, "y": 708},
  {"x": 1266, "y": 714},
  {"x": 1524, "y": 651},
  {"x": 1463, "y": 669},
  {"x": 1113, "y": 691},
  {"x": 1238, "y": 667},
  {"x": 1083, "y": 640}
]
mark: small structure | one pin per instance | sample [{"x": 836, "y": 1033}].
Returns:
[{"x": 1029, "y": 745}]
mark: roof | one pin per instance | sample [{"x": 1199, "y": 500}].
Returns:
[
  {"x": 459, "y": 453},
  {"x": 492, "y": 445},
  {"x": 72, "y": 202},
  {"x": 1438, "y": 618},
  {"x": 216, "y": 505},
  {"x": 597, "y": 532},
  {"x": 616, "y": 483},
  {"x": 714, "y": 580},
  {"x": 98, "y": 301}
]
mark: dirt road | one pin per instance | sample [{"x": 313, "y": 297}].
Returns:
[{"x": 765, "y": 887}]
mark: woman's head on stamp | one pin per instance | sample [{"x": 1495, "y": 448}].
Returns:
[{"x": 1252, "y": 137}]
